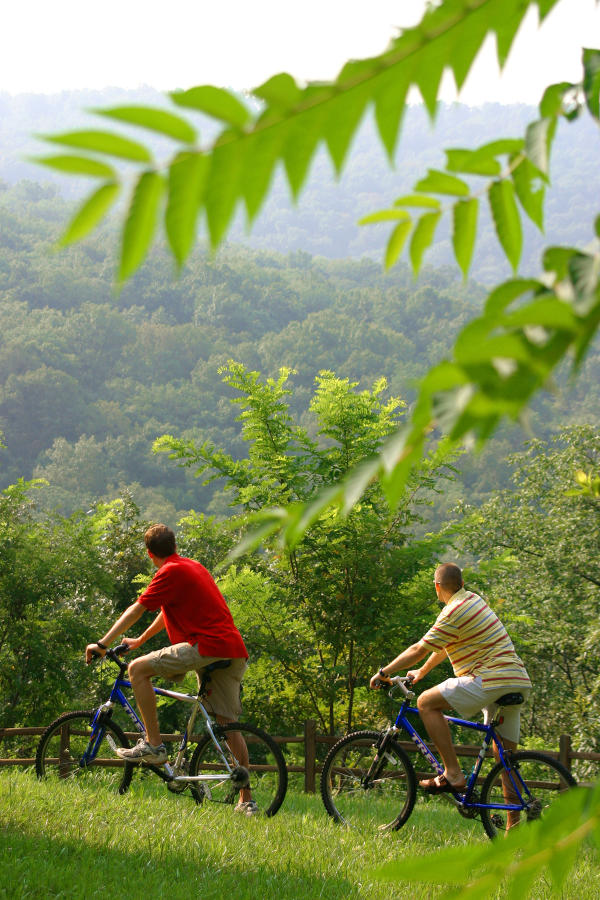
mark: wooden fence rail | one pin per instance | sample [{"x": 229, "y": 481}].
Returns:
[{"x": 310, "y": 739}]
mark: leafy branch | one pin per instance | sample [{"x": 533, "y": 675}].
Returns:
[
  {"x": 288, "y": 128},
  {"x": 519, "y": 168}
]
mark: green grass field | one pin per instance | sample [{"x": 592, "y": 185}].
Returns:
[{"x": 76, "y": 841}]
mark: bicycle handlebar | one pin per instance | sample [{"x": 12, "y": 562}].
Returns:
[
  {"x": 114, "y": 653},
  {"x": 398, "y": 681}
]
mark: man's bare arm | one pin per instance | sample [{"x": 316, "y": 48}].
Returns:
[
  {"x": 407, "y": 658},
  {"x": 154, "y": 628},
  {"x": 129, "y": 617},
  {"x": 437, "y": 657}
]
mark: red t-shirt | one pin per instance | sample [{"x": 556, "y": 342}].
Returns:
[{"x": 194, "y": 608}]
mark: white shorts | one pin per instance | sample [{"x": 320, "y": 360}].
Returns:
[{"x": 468, "y": 697}]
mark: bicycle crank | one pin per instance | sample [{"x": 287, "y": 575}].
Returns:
[{"x": 240, "y": 778}]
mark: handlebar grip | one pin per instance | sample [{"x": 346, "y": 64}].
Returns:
[{"x": 121, "y": 649}]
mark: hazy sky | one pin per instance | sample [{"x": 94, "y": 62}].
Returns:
[{"x": 70, "y": 44}]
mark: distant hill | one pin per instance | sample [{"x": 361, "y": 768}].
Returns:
[
  {"x": 90, "y": 377},
  {"x": 324, "y": 223}
]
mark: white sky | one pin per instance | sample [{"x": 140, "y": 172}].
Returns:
[{"x": 52, "y": 45}]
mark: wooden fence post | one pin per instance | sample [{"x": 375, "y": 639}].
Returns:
[
  {"x": 564, "y": 750},
  {"x": 310, "y": 755}
]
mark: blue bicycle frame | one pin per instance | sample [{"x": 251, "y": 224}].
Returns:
[
  {"x": 463, "y": 798},
  {"x": 166, "y": 772}
]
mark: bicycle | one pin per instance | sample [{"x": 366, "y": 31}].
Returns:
[
  {"x": 369, "y": 781},
  {"x": 70, "y": 747}
]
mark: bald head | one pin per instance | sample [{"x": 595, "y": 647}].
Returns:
[{"x": 449, "y": 577}]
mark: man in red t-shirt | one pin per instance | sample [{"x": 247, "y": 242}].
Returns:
[{"x": 201, "y": 630}]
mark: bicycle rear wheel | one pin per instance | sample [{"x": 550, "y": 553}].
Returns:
[
  {"x": 64, "y": 744},
  {"x": 384, "y": 798},
  {"x": 268, "y": 772},
  {"x": 540, "y": 780}
]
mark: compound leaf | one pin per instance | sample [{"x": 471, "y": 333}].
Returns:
[
  {"x": 222, "y": 187},
  {"x": 538, "y": 137},
  {"x": 385, "y": 215},
  {"x": 473, "y": 162},
  {"x": 76, "y": 165},
  {"x": 90, "y": 213},
  {"x": 436, "y": 182},
  {"x": 102, "y": 142},
  {"x": 464, "y": 231},
  {"x": 158, "y": 120},
  {"x": 186, "y": 180},
  {"x": 591, "y": 81},
  {"x": 422, "y": 238},
  {"x": 506, "y": 219},
  {"x": 396, "y": 242},
  {"x": 525, "y": 178},
  {"x": 280, "y": 92},
  {"x": 140, "y": 223},
  {"x": 215, "y": 102}
]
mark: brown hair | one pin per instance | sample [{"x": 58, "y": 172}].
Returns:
[
  {"x": 449, "y": 576},
  {"x": 160, "y": 541}
]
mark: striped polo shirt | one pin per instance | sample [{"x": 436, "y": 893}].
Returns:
[{"x": 476, "y": 642}]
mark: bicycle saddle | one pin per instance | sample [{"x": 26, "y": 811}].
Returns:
[{"x": 512, "y": 699}]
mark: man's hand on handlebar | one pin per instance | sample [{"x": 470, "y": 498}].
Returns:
[
  {"x": 414, "y": 675},
  {"x": 378, "y": 680},
  {"x": 131, "y": 643},
  {"x": 92, "y": 651}
]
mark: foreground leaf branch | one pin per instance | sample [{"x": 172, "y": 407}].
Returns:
[{"x": 292, "y": 122}]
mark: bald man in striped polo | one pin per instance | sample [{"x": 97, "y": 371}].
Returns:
[{"x": 470, "y": 634}]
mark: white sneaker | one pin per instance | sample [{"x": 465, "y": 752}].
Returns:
[
  {"x": 144, "y": 752},
  {"x": 246, "y": 808}
]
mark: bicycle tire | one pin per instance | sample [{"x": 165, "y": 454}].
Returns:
[
  {"x": 62, "y": 746},
  {"x": 268, "y": 771},
  {"x": 386, "y": 802},
  {"x": 545, "y": 777}
]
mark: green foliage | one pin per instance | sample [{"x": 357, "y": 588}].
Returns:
[
  {"x": 316, "y": 618},
  {"x": 519, "y": 348},
  {"x": 536, "y": 546},
  {"x": 292, "y": 121},
  {"x": 61, "y": 579},
  {"x": 515, "y": 863}
]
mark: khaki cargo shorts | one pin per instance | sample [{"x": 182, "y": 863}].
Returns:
[{"x": 223, "y": 694}]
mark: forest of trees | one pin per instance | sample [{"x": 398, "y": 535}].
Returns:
[
  {"x": 90, "y": 377},
  {"x": 92, "y": 380}
]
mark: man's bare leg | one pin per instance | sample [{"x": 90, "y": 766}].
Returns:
[
  {"x": 431, "y": 705},
  {"x": 141, "y": 673},
  {"x": 513, "y": 816},
  {"x": 239, "y": 749}
]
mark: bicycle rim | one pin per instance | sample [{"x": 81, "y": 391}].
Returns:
[
  {"x": 63, "y": 747},
  {"x": 267, "y": 769},
  {"x": 540, "y": 780},
  {"x": 382, "y": 800}
]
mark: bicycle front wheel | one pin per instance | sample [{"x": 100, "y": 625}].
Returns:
[
  {"x": 266, "y": 765},
  {"x": 539, "y": 779},
  {"x": 360, "y": 792},
  {"x": 65, "y": 747}
]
